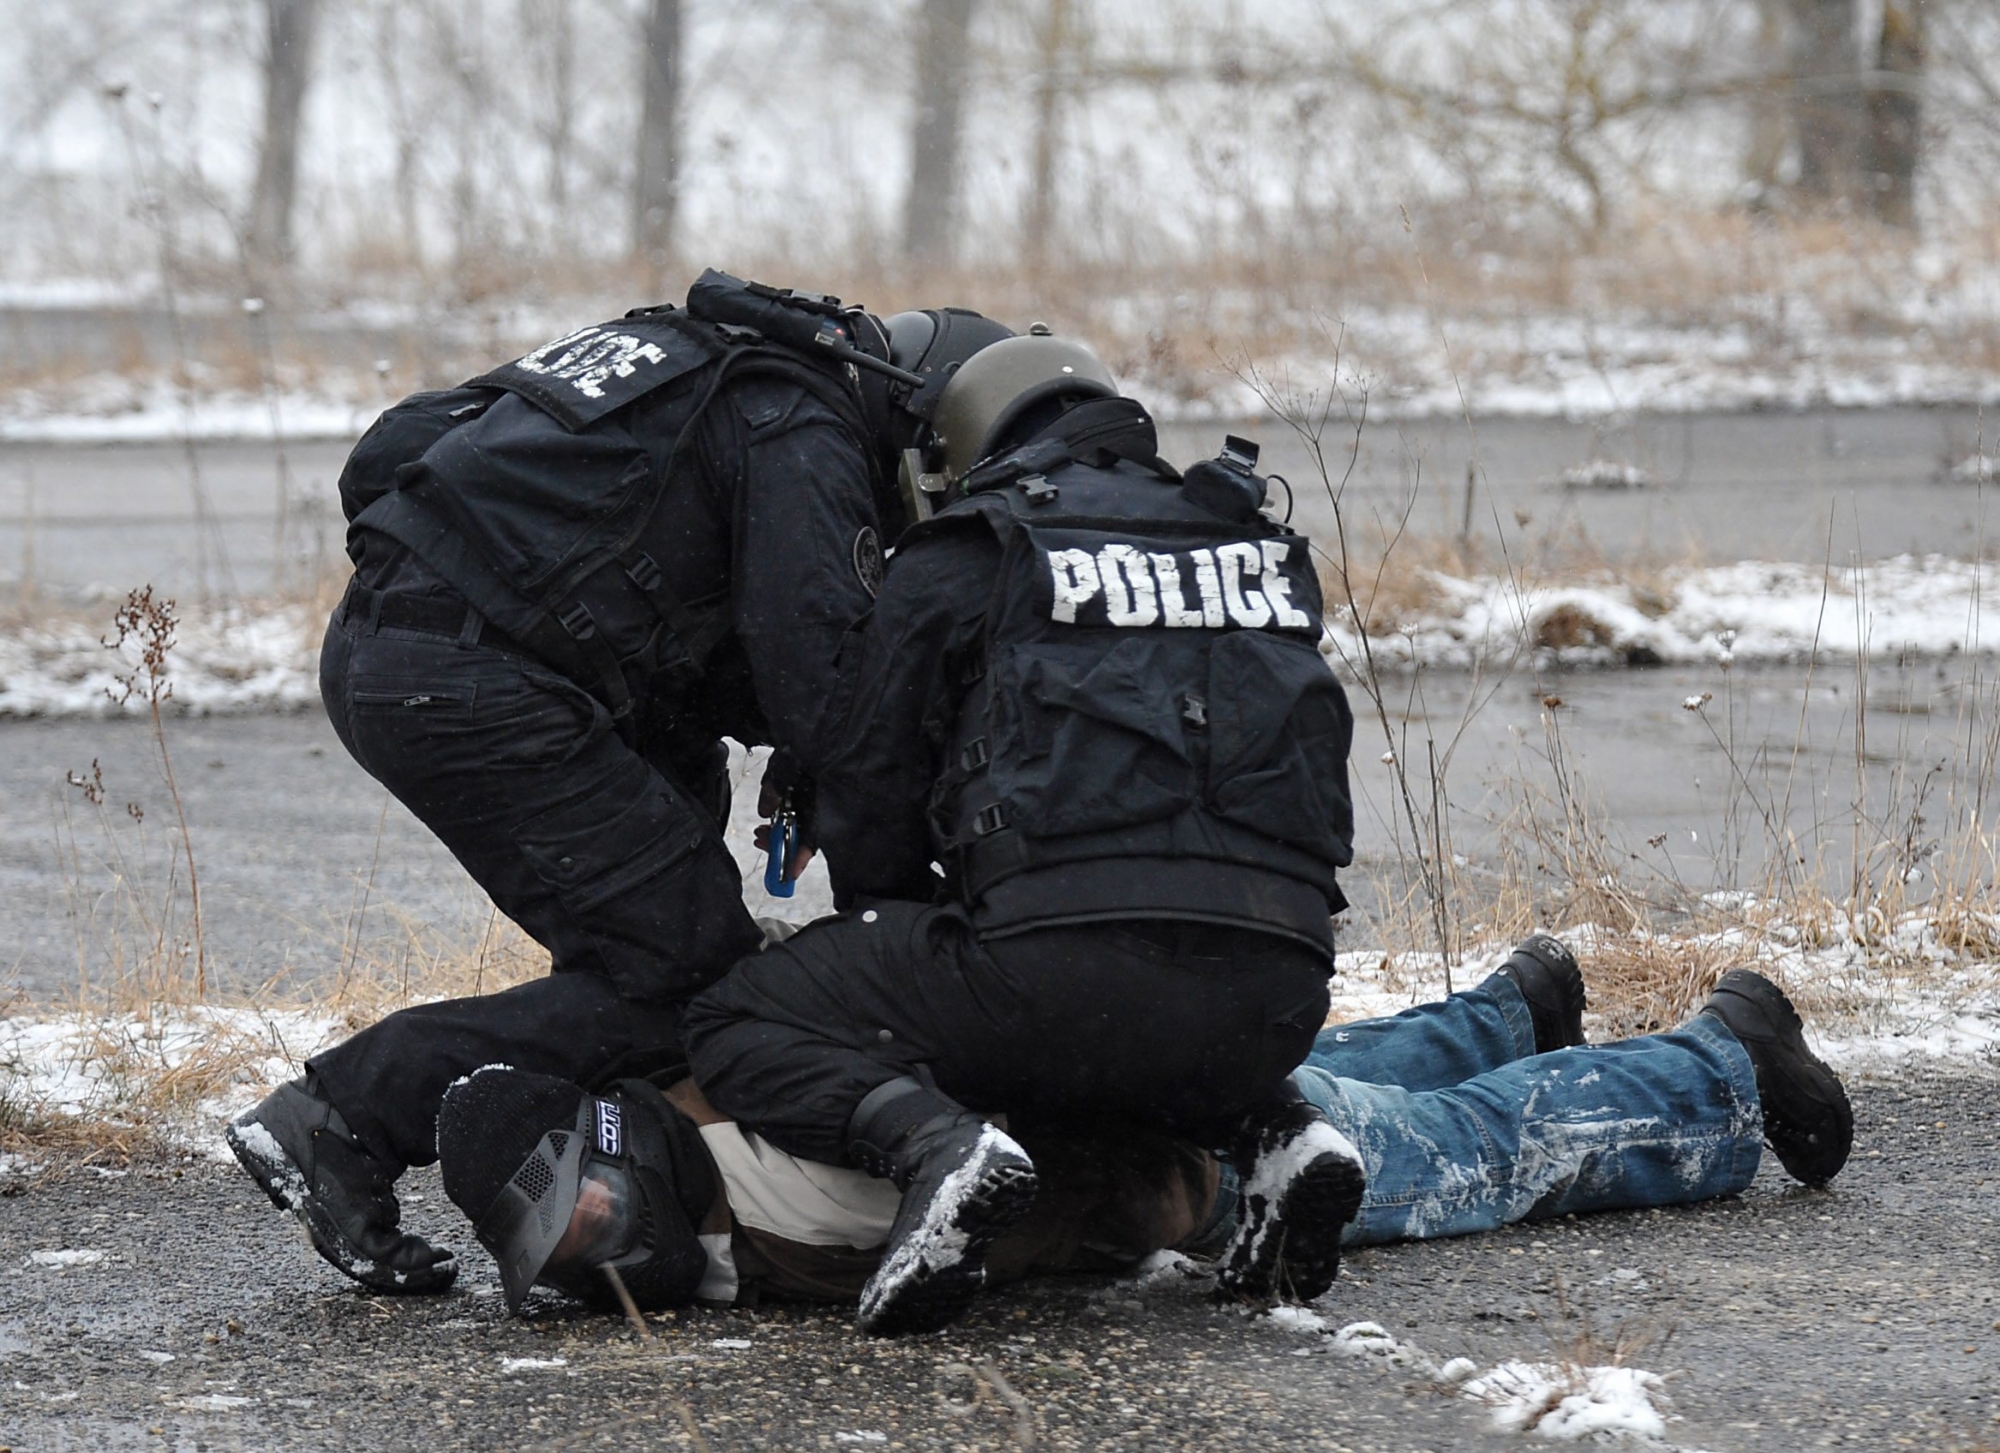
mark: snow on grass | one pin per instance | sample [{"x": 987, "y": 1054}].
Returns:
[
  {"x": 1907, "y": 605},
  {"x": 1873, "y": 995},
  {"x": 1571, "y": 1403},
  {"x": 1606, "y": 474},
  {"x": 190, "y": 1067},
  {"x": 113, "y": 409},
  {"x": 266, "y": 659},
  {"x": 1567, "y": 1401},
  {"x": 234, "y": 660}
]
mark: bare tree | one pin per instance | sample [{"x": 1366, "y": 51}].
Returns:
[
  {"x": 1826, "y": 98},
  {"x": 290, "y": 25},
  {"x": 1770, "y": 129},
  {"x": 1896, "y": 113},
  {"x": 656, "y": 187},
  {"x": 1055, "y": 41},
  {"x": 930, "y": 211},
  {"x": 549, "y": 27}
]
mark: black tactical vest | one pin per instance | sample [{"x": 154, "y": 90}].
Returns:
[
  {"x": 1154, "y": 733},
  {"x": 555, "y": 493}
]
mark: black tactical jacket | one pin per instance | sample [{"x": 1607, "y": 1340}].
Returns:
[
  {"x": 1108, "y": 704},
  {"x": 681, "y": 521}
]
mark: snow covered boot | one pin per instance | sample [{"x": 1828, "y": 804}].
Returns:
[
  {"x": 1807, "y": 1119},
  {"x": 1546, "y": 974},
  {"x": 1300, "y": 1184},
  {"x": 963, "y": 1183},
  {"x": 296, "y": 1146}
]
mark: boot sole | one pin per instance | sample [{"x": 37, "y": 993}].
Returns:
[
  {"x": 911, "y": 1293},
  {"x": 1300, "y": 1256},
  {"x": 1805, "y": 1076},
  {"x": 273, "y": 1168}
]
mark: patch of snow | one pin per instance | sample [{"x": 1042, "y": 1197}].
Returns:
[
  {"x": 1606, "y": 474},
  {"x": 1572, "y": 1403},
  {"x": 731, "y": 1344},
  {"x": 213, "y": 1402},
  {"x": 78, "y": 1257},
  {"x": 861, "y": 1435},
  {"x": 1568, "y": 1401},
  {"x": 1161, "y": 1270},
  {"x": 1879, "y": 995},
  {"x": 1912, "y": 606},
  {"x": 157, "y": 1358},
  {"x": 124, "y": 411},
  {"x": 1974, "y": 469},
  {"x": 532, "y": 1364},
  {"x": 222, "y": 662},
  {"x": 92, "y": 1065}
]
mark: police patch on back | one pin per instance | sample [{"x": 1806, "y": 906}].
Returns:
[
  {"x": 583, "y": 376},
  {"x": 1090, "y": 579}
]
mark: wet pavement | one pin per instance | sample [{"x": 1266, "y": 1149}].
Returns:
[
  {"x": 308, "y": 865},
  {"x": 1865, "y": 1317},
  {"x": 1807, "y": 486}
]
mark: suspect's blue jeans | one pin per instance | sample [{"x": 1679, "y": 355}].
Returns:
[{"x": 1464, "y": 1128}]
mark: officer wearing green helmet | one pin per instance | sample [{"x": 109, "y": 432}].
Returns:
[{"x": 1084, "y": 818}]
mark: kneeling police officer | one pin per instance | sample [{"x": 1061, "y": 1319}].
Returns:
[
  {"x": 1090, "y": 696},
  {"x": 574, "y": 575}
]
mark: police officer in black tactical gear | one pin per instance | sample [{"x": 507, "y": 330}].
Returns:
[
  {"x": 574, "y": 575},
  {"x": 1090, "y": 696}
]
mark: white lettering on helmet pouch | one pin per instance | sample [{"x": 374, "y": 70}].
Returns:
[
  {"x": 610, "y": 1128},
  {"x": 1094, "y": 580}
]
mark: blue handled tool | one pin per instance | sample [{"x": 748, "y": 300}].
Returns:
[{"x": 784, "y": 840}]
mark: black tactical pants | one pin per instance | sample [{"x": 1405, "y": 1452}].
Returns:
[
  {"x": 1181, "y": 1026},
  {"x": 388, "y": 1080},
  {"x": 593, "y": 849}
]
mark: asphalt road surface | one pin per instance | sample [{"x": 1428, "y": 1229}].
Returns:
[
  {"x": 307, "y": 864},
  {"x": 1865, "y": 1317},
  {"x": 78, "y": 521}
]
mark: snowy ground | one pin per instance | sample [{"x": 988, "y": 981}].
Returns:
[
  {"x": 1410, "y": 362},
  {"x": 247, "y": 659}
]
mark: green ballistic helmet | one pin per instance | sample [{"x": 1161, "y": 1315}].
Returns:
[{"x": 1000, "y": 384}]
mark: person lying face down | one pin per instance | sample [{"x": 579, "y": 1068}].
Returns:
[
  {"x": 1471, "y": 1113},
  {"x": 686, "y": 1207}
]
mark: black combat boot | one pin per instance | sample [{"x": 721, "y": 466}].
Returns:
[
  {"x": 1300, "y": 1184},
  {"x": 1807, "y": 1119},
  {"x": 963, "y": 1183},
  {"x": 296, "y": 1146},
  {"x": 1546, "y": 974}
]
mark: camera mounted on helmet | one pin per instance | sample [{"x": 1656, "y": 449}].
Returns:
[{"x": 901, "y": 363}]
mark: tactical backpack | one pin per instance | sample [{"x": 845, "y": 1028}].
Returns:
[
  {"x": 1151, "y": 705},
  {"x": 551, "y": 578}
]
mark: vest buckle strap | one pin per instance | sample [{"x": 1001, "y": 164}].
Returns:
[
  {"x": 577, "y": 620},
  {"x": 645, "y": 573},
  {"x": 975, "y": 755},
  {"x": 991, "y": 819}
]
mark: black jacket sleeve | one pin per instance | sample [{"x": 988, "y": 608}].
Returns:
[
  {"x": 804, "y": 528},
  {"x": 926, "y": 629}
]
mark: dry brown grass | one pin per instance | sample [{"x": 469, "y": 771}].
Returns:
[{"x": 1398, "y": 577}]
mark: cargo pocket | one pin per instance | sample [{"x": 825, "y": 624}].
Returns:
[
  {"x": 1279, "y": 737},
  {"x": 592, "y": 851},
  {"x": 1086, "y": 740}
]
